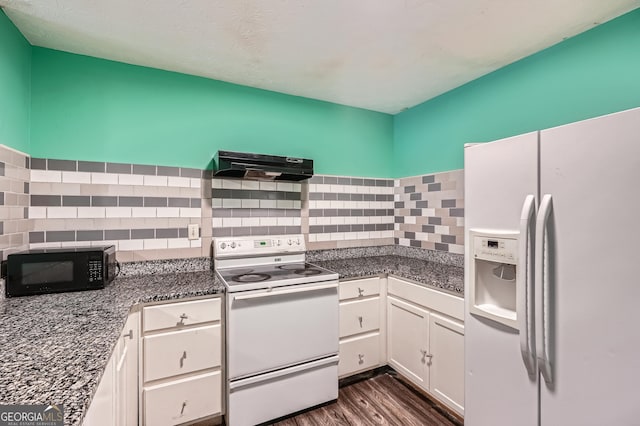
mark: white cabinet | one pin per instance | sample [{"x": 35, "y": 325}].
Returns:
[
  {"x": 362, "y": 333},
  {"x": 426, "y": 339},
  {"x": 116, "y": 399},
  {"x": 181, "y": 362}
]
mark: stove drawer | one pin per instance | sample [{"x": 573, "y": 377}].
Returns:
[
  {"x": 359, "y": 316},
  {"x": 359, "y": 354},
  {"x": 180, "y": 352},
  {"x": 359, "y": 288},
  {"x": 180, "y": 314},
  {"x": 184, "y": 400}
]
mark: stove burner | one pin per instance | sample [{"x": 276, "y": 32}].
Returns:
[
  {"x": 290, "y": 267},
  {"x": 307, "y": 271},
  {"x": 250, "y": 278}
]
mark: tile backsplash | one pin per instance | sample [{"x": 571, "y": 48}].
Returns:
[
  {"x": 14, "y": 201},
  {"x": 144, "y": 210}
]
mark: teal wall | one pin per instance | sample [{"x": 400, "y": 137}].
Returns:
[
  {"x": 93, "y": 109},
  {"x": 15, "y": 86},
  {"x": 594, "y": 73}
]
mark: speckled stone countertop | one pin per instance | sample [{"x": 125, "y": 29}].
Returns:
[
  {"x": 54, "y": 347},
  {"x": 437, "y": 275}
]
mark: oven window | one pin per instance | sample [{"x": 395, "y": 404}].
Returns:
[{"x": 47, "y": 272}]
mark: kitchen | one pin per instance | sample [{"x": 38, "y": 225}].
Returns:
[{"x": 97, "y": 128}]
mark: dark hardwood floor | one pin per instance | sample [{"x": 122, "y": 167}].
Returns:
[{"x": 380, "y": 400}]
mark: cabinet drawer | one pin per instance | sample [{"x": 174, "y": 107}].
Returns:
[
  {"x": 359, "y": 354},
  {"x": 179, "y": 352},
  {"x": 446, "y": 303},
  {"x": 359, "y": 316},
  {"x": 183, "y": 400},
  {"x": 359, "y": 288},
  {"x": 181, "y": 314}
]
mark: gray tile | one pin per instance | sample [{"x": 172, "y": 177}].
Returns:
[
  {"x": 422, "y": 204},
  {"x": 344, "y": 228},
  {"x": 76, "y": 200},
  {"x": 91, "y": 166},
  {"x": 36, "y": 237},
  {"x": 456, "y": 212},
  {"x": 370, "y": 227},
  {"x": 390, "y": 183},
  {"x": 295, "y": 196},
  {"x": 168, "y": 171},
  {"x": 450, "y": 239},
  {"x": 316, "y": 229},
  {"x": 396, "y": 241},
  {"x": 344, "y": 212},
  {"x": 155, "y": 201},
  {"x": 415, "y": 196},
  {"x": 330, "y": 228},
  {"x": 277, "y": 230},
  {"x": 293, "y": 230},
  {"x": 409, "y": 189},
  {"x": 119, "y": 168},
  {"x": 344, "y": 181},
  {"x": 184, "y": 233},
  {"x": 292, "y": 212},
  {"x": 410, "y": 235},
  {"x": 179, "y": 202},
  {"x": 381, "y": 226},
  {"x": 221, "y": 193},
  {"x": 26, "y": 187},
  {"x": 357, "y": 197},
  {"x": 60, "y": 236},
  {"x": 344, "y": 197},
  {"x": 415, "y": 212},
  {"x": 381, "y": 182},
  {"x": 428, "y": 179},
  {"x": 357, "y": 181},
  {"x": 167, "y": 233},
  {"x": 259, "y": 230},
  {"x": 1, "y": 229},
  {"x": 190, "y": 173},
  {"x": 442, "y": 247},
  {"x": 65, "y": 165},
  {"x": 1, "y": 198},
  {"x": 315, "y": 212},
  {"x": 1, "y": 168},
  {"x": 370, "y": 197},
  {"x": 330, "y": 212},
  {"x": 315, "y": 195},
  {"x": 390, "y": 212},
  {"x": 46, "y": 200},
  {"x": 398, "y": 204},
  {"x": 357, "y": 212},
  {"x": 104, "y": 201},
  {"x": 369, "y": 212},
  {"x": 433, "y": 187},
  {"x": 38, "y": 164},
  {"x": 330, "y": 180},
  {"x": 221, "y": 232},
  {"x": 27, "y": 162},
  {"x": 369, "y": 182},
  {"x": 316, "y": 179},
  {"x": 90, "y": 236},
  {"x": 130, "y": 201},
  {"x": 117, "y": 234},
  {"x": 435, "y": 221},
  {"x": 241, "y": 231},
  {"x": 357, "y": 228},
  {"x": 219, "y": 212},
  {"x": 448, "y": 203},
  {"x": 330, "y": 196},
  {"x": 137, "y": 234},
  {"x": 381, "y": 212},
  {"x": 196, "y": 203},
  {"x": 143, "y": 169},
  {"x": 25, "y": 213},
  {"x": 276, "y": 212},
  {"x": 429, "y": 229},
  {"x": 261, "y": 212},
  {"x": 415, "y": 243}
]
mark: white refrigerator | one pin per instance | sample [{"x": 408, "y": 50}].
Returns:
[{"x": 552, "y": 277}]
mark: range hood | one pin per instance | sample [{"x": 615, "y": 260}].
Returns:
[{"x": 262, "y": 167}]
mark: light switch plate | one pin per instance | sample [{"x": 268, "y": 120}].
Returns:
[{"x": 193, "y": 231}]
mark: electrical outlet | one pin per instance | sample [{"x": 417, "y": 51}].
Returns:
[{"x": 193, "y": 231}]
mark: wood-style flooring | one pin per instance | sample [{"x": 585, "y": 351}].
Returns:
[{"x": 380, "y": 400}]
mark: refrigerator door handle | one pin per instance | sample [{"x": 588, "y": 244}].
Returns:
[
  {"x": 525, "y": 283},
  {"x": 543, "y": 336}
]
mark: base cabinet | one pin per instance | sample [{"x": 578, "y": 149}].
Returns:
[{"x": 426, "y": 340}]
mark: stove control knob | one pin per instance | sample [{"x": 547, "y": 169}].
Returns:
[
  {"x": 223, "y": 246},
  {"x": 233, "y": 245},
  {"x": 298, "y": 241},
  {"x": 289, "y": 242},
  {"x": 279, "y": 242}
]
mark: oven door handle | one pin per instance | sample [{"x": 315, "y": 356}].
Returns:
[{"x": 283, "y": 292}]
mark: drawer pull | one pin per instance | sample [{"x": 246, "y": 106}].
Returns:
[
  {"x": 129, "y": 335},
  {"x": 184, "y": 405},
  {"x": 360, "y": 292},
  {"x": 360, "y": 321},
  {"x": 360, "y": 358},
  {"x": 182, "y": 358},
  {"x": 182, "y": 318},
  {"x": 425, "y": 355}
]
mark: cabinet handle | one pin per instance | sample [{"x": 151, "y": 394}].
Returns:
[
  {"x": 425, "y": 355},
  {"x": 182, "y": 358},
  {"x": 184, "y": 405},
  {"x": 182, "y": 318},
  {"x": 360, "y": 321},
  {"x": 360, "y": 292},
  {"x": 360, "y": 358},
  {"x": 129, "y": 335}
]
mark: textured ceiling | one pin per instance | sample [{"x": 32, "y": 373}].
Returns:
[{"x": 382, "y": 55}]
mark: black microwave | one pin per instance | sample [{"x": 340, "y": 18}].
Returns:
[{"x": 61, "y": 269}]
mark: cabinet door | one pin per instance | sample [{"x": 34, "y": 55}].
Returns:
[
  {"x": 446, "y": 342},
  {"x": 126, "y": 373},
  {"x": 407, "y": 341},
  {"x": 102, "y": 408}
]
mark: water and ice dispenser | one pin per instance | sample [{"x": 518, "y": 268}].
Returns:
[{"x": 493, "y": 275}]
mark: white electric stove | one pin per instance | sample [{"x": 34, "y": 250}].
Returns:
[{"x": 281, "y": 328}]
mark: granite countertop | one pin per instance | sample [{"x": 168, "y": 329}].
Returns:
[
  {"x": 54, "y": 347},
  {"x": 432, "y": 274}
]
